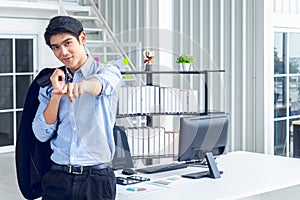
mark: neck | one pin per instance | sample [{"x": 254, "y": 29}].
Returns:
[{"x": 80, "y": 64}]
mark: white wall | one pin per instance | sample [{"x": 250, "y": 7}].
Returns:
[
  {"x": 28, "y": 24},
  {"x": 232, "y": 34}
]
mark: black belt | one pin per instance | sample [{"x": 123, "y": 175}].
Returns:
[{"x": 75, "y": 169}]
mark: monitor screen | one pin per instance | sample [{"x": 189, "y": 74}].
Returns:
[
  {"x": 202, "y": 134},
  {"x": 203, "y": 138}
]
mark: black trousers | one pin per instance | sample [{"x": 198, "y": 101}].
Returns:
[{"x": 97, "y": 184}]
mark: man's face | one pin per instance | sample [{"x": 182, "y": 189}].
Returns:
[{"x": 69, "y": 50}]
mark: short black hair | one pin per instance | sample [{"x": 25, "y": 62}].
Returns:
[{"x": 63, "y": 24}]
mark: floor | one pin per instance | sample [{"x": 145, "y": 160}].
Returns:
[{"x": 9, "y": 189}]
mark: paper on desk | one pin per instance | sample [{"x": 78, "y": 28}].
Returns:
[
  {"x": 158, "y": 184},
  {"x": 167, "y": 181},
  {"x": 136, "y": 189}
]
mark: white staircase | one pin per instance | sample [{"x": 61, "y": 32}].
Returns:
[{"x": 101, "y": 41}]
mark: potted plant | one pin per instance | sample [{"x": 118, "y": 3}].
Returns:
[{"x": 185, "y": 61}]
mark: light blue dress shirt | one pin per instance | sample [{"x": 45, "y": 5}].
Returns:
[{"x": 83, "y": 132}]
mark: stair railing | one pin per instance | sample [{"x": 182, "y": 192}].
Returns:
[{"x": 108, "y": 30}]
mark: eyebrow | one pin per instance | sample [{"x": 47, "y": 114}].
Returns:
[{"x": 66, "y": 40}]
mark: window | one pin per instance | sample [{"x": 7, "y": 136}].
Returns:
[
  {"x": 286, "y": 90},
  {"x": 16, "y": 74}
]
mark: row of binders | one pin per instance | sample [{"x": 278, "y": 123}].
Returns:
[
  {"x": 154, "y": 99},
  {"x": 152, "y": 141}
]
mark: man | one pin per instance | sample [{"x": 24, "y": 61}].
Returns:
[{"x": 77, "y": 113}]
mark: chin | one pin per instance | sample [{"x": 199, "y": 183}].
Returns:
[{"x": 68, "y": 65}]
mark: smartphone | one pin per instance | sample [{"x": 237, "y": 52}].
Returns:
[
  {"x": 131, "y": 180},
  {"x": 126, "y": 181},
  {"x": 139, "y": 178}
]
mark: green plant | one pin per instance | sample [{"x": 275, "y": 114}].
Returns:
[{"x": 185, "y": 59}]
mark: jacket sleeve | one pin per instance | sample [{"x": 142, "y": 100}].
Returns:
[{"x": 41, "y": 129}]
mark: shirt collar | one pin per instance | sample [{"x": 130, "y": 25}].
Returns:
[{"x": 85, "y": 68}]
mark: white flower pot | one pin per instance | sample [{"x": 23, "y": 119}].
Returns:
[{"x": 185, "y": 66}]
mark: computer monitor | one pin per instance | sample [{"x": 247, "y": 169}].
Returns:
[{"x": 203, "y": 137}]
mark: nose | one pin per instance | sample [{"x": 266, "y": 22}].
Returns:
[{"x": 64, "y": 51}]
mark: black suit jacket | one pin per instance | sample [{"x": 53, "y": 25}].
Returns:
[{"x": 32, "y": 156}]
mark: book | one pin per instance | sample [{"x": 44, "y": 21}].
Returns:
[
  {"x": 121, "y": 101},
  {"x": 129, "y": 99},
  {"x": 129, "y": 134},
  {"x": 138, "y": 97},
  {"x": 157, "y": 103},
  {"x": 150, "y": 90},
  {"x": 144, "y": 99},
  {"x": 136, "y": 143},
  {"x": 192, "y": 101},
  {"x": 152, "y": 140}
]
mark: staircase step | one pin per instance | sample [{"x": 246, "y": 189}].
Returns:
[
  {"x": 93, "y": 29},
  {"x": 79, "y": 17},
  {"x": 100, "y": 43},
  {"x": 110, "y": 43},
  {"x": 95, "y": 41},
  {"x": 107, "y": 53}
]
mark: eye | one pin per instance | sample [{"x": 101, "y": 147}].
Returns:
[
  {"x": 54, "y": 48},
  {"x": 68, "y": 43}
]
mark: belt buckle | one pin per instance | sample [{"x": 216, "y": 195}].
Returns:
[{"x": 75, "y": 169}]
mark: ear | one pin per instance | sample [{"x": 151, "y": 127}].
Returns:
[{"x": 82, "y": 38}]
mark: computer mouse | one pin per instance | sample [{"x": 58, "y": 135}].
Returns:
[{"x": 128, "y": 171}]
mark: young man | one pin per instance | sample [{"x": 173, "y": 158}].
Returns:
[{"x": 77, "y": 113}]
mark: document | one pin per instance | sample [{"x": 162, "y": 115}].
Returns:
[
  {"x": 136, "y": 189},
  {"x": 167, "y": 181}
]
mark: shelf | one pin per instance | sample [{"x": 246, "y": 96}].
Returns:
[
  {"x": 172, "y": 72},
  {"x": 149, "y": 74},
  {"x": 160, "y": 136},
  {"x": 158, "y": 114}
]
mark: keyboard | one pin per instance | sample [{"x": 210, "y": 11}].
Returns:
[{"x": 162, "y": 168}]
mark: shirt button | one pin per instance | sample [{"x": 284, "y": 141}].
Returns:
[
  {"x": 74, "y": 128},
  {"x": 71, "y": 113}
]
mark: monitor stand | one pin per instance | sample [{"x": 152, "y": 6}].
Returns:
[{"x": 213, "y": 170}]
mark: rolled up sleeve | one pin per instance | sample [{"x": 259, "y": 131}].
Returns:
[
  {"x": 41, "y": 129},
  {"x": 110, "y": 79}
]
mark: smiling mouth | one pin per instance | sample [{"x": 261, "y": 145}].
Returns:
[{"x": 67, "y": 59}]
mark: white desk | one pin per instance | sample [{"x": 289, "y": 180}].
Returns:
[{"x": 250, "y": 176}]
